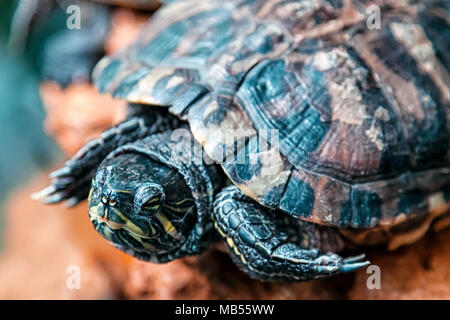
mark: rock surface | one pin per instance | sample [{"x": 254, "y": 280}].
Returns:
[
  {"x": 126, "y": 25},
  {"x": 78, "y": 113}
]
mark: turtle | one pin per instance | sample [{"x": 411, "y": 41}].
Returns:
[{"x": 285, "y": 129}]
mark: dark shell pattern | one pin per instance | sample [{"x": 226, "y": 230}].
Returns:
[{"x": 362, "y": 115}]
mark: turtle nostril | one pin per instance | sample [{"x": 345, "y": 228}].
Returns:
[{"x": 101, "y": 212}]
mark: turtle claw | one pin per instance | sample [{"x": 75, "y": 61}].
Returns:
[
  {"x": 332, "y": 263},
  {"x": 64, "y": 171},
  {"x": 357, "y": 258},
  {"x": 44, "y": 193},
  {"x": 54, "y": 198},
  {"x": 351, "y": 264},
  {"x": 327, "y": 263},
  {"x": 350, "y": 267},
  {"x": 327, "y": 269},
  {"x": 328, "y": 259},
  {"x": 72, "y": 202}
]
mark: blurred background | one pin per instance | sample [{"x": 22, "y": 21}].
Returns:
[
  {"x": 25, "y": 147},
  {"x": 49, "y": 109}
]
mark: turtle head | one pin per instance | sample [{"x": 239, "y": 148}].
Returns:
[{"x": 127, "y": 207}]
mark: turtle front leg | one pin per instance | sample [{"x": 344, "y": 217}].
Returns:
[
  {"x": 270, "y": 245},
  {"x": 72, "y": 182}
]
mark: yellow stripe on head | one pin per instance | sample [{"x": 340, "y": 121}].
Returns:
[
  {"x": 168, "y": 226},
  {"x": 128, "y": 224}
]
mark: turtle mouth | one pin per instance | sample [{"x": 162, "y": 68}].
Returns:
[
  {"x": 115, "y": 220},
  {"x": 101, "y": 224},
  {"x": 123, "y": 236},
  {"x": 117, "y": 228},
  {"x": 111, "y": 224}
]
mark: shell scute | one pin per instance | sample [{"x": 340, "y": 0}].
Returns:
[
  {"x": 363, "y": 209},
  {"x": 298, "y": 198},
  {"x": 259, "y": 170}
]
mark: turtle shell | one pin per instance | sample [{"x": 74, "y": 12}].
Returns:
[{"x": 308, "y": 109}]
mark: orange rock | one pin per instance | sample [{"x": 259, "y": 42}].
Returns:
[
  {"x": 78, "y": 113},
  {"x": 126, "y": 25},
  {"x": 419, "y": 271},
  {"x": 212, "y": 275}
]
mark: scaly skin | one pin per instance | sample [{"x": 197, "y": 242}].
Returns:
[{"x": 270, "y": 245}]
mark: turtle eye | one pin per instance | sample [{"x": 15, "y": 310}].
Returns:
[
  {"x": 112, "y": 202},
  {"x": 152, "y": 204},
  {"x": 104, "y": 199},
  {"x": 148, "y": 199}
]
